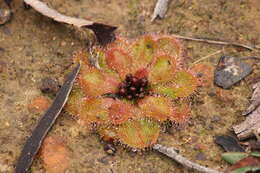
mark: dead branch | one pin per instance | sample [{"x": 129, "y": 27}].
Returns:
[
  {"x": 252, "y": 48},
  {"x": 206, "y": 57},
  {"x": 170, "y": 152}
]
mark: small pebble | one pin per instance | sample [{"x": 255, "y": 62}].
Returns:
[
  {"x": 8, "y": 2},
  {"x": 63, "y": 43},
  {"x": 255, "y": 145},
  {"x": 7, "y": 124},
  {"x": 5, "y": 15},
  {"x": 215, "y": 118},
  {"x": 200, "y": 156},
  {"x": 104, "y": 160},
  {"x": 2, "y": 66},
  {"x": 229, "y": 143},
  {"x": 110, "y": 149},
  {"x": 6, "y": 30},
  {"x": 211, "y": 94},
  {"x": 49, "y": 86},
  {"x": 231, "y": 70}
]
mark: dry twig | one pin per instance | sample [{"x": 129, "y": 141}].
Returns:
[
  {"x": 170, "y": 152},
  {"x": 252, "y": 48},
  {"x": 205, "y": 57}
]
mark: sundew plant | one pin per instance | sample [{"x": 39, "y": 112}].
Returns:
[{"x": 129, "y": 89}]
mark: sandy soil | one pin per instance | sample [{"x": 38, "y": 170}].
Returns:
[{"x": 33, "y": 47}]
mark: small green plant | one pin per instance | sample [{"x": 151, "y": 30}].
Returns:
[{"x": 130, "y": 88}]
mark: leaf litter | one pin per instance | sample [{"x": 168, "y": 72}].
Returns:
[
  {"x": 243, "y": 162},
  {"x": 251, "y": 126}
]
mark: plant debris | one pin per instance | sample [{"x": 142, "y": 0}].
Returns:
[
  {"x": 231, "y": 70},
  {"x": 33, "y": 143},
  {"x": 104, "y": 33},
  {"x": 252, "y": 48},
  {"x": 160, "y": 9},
  {"x": 229, "y": 143},
  {"x": 251, "y": 126},
  {"x": 172, "y": 153},
  {"x": 242, "y": 162},
  {"x": 255, "y": 99}
]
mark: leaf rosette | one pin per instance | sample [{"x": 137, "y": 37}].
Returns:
[{"x": 129, "y": 88}]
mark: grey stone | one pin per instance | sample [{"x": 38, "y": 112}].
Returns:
[{"x": 231, "y": 70}]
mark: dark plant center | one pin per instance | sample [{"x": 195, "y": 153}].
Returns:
[{"x": 133, "y": 87}]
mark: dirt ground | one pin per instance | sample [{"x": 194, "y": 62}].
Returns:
[{"x": 33, "y": 47}]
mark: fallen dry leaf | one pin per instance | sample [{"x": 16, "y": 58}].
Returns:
[
  {"x": 255, "y": 99},
  {"x": 34, "y": 142},
  {"x": 251, "y": 125},
  {"x": 54, "y": 155},
  {"x": 104, "y": 33},
  {"x": 46, "y": 11}
]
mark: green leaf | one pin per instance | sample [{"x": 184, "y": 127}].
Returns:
[
  {"x": 164, "y": 90},
  {"x": 140, "y": 133},
  {"x": 143, "y": 51},
  {"x": 255, "y": 154},
  {"x": 171, "y": 46},
  {"x": 158, "y": 108},
  {"x": 119, "y": 61},
  {"x": 183, "y": 84},
  {"x": 246, "y": 169},
  {"x": 162, "y": 70},
  {"x": 233, "y": 157}
]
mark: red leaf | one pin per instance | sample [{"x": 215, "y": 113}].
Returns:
[{"x": 249, "y": 161}]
